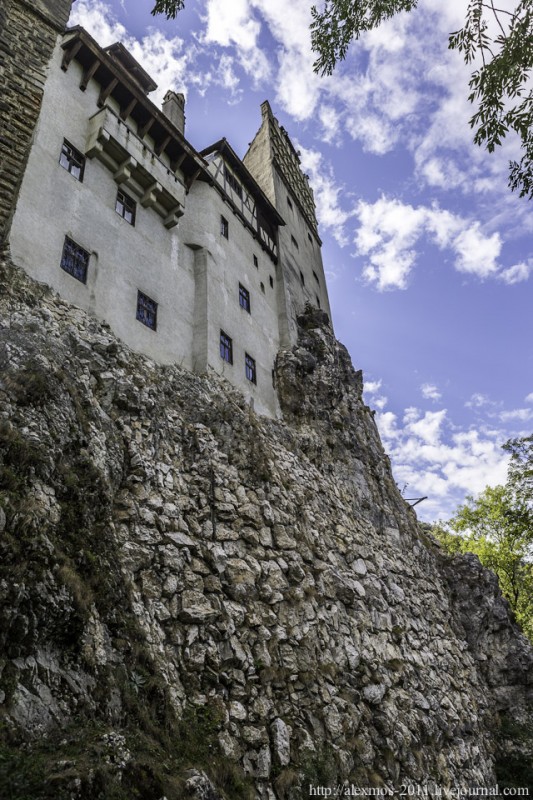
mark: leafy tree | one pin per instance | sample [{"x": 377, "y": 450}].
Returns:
[
  {"x": 521, "y": 468},
  {"x": 498, "y": 527},
  {"x": 498, "y": 85},
  {"x": 168, "y": 7}
]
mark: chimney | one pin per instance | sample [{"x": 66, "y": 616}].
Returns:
[{"x": 174, "y": 109}]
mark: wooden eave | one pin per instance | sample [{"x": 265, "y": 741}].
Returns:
[
  {"x": 115, "y": 82},
  {"x": 118, "y": 52},
  {"x": 228, "y": 153}
]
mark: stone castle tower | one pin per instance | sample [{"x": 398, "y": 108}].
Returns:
[{"x": 28, "y": 33}]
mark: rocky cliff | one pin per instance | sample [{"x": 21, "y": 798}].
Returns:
[{"x": 197, "y": 602}]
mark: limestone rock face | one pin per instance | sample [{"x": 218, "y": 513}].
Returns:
[{"x": 213, "y": 591}]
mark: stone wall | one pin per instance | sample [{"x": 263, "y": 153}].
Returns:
[
  {"x": 206, "y": 603},
  {"x": 28, "y": 32}
]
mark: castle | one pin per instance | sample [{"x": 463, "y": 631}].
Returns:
[{"x": 195, "y": 258}]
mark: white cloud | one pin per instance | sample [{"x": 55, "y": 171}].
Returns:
[
  {"x": 517, "y": 273},
  {"x": 521, "y": 414},
  {"x": 226, "y": 74},
  {"x": 235, "y": 25},
  {"x": 327, "y": 193},
  {"x": 529, "y": 398},
  {"x": 98, "y": 19},
  {"x": 430, "y": 391},
  {"x": 434, "y": 458},
  {"x": 380, "y": 402},
  {"x": 330, "y": 120},
  {"x": 479, "y": 400},
  {"x": 477, "y": 253},
  {"x": 390, "y": 230},
  {"x": 371, "y": 387},
  {"x": 232, "y": 24}
]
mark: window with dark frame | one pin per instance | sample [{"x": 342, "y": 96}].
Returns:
[
  {"x": 271, "y": 279},
  {"x": 256, "y": 262},
  {"x": 146, "y": 311},
  {"x": 302, "y": 279},
  {"x": 316, "y": 277},
  {"x": 249, "y": 368},
  {"x": 295, "y": 243},
  {"x": 226, "y": 347},
  {"x": 125, "y": 207},
  {"x": 262, "y": 287},
  {"x": 289, "y": 203},
  {"x": 317, "y": 301},
  {"x": 72, "y": 160},
  {"x": 244, "y": 298},
  {"x": 224, "y": 227},
  {"x": 309, "y": 237},
  {"x": 232, "y": 181},
  {"x": 75, "y": 260}
]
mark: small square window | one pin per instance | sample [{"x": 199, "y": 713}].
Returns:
[
  {"x": 302, "y": 279},
  {"x": 125, "y": 206},
  {"x": 244, "y": 298},
  {"x": 224, "y": 227},
  {"x": 75, "y": 260},
  {"x": 249, "y": 367},
  {"x": 271, "y": 279},
  {"x": 146, "y": 311},
  {"x": 316, "y": 277},
  {"x": 72, "y": 160},
  {"x": 295, "y": 243},
  {"x": 256, "y": 262},
  {"x": 226, "y": 347}
]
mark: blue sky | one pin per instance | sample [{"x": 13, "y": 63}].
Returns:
[{"x": 427, "y": 253}]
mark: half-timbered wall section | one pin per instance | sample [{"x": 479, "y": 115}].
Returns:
[
  {"x": 247, "y": 199},
  {"x": 180, "y": 251}
]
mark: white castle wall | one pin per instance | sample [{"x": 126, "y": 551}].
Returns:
[
  {"x": 124, "y": 259},
  {"x": 191, "y": 270}
]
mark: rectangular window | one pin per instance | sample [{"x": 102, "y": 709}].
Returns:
[
  {"x": 317, "y": 301},
  {"x": 72, "y": 160},
  {"x": 249, "y": 366},
  {"x": 271, "y": 279},
  {"x": 75, "y": 260},
  {"x": 146, "y": 311},
  {"x": 256, "y": 262},
  {"x": 289, "y": 202},
  {"x": 224, "y": 227},
  {"x": 232, "y": 181},
  {"x": 226, "y": 347},
  {"x": 316, "y": 277},
  {"x": 262, "y": 287},
  {"x": 309, "y": 237},
  {"x": 302, "y": 279},
  {"x": 295, "y": 243},
  {"x": 125, "y": 206},
  {"x": 244, "y": 298}
]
